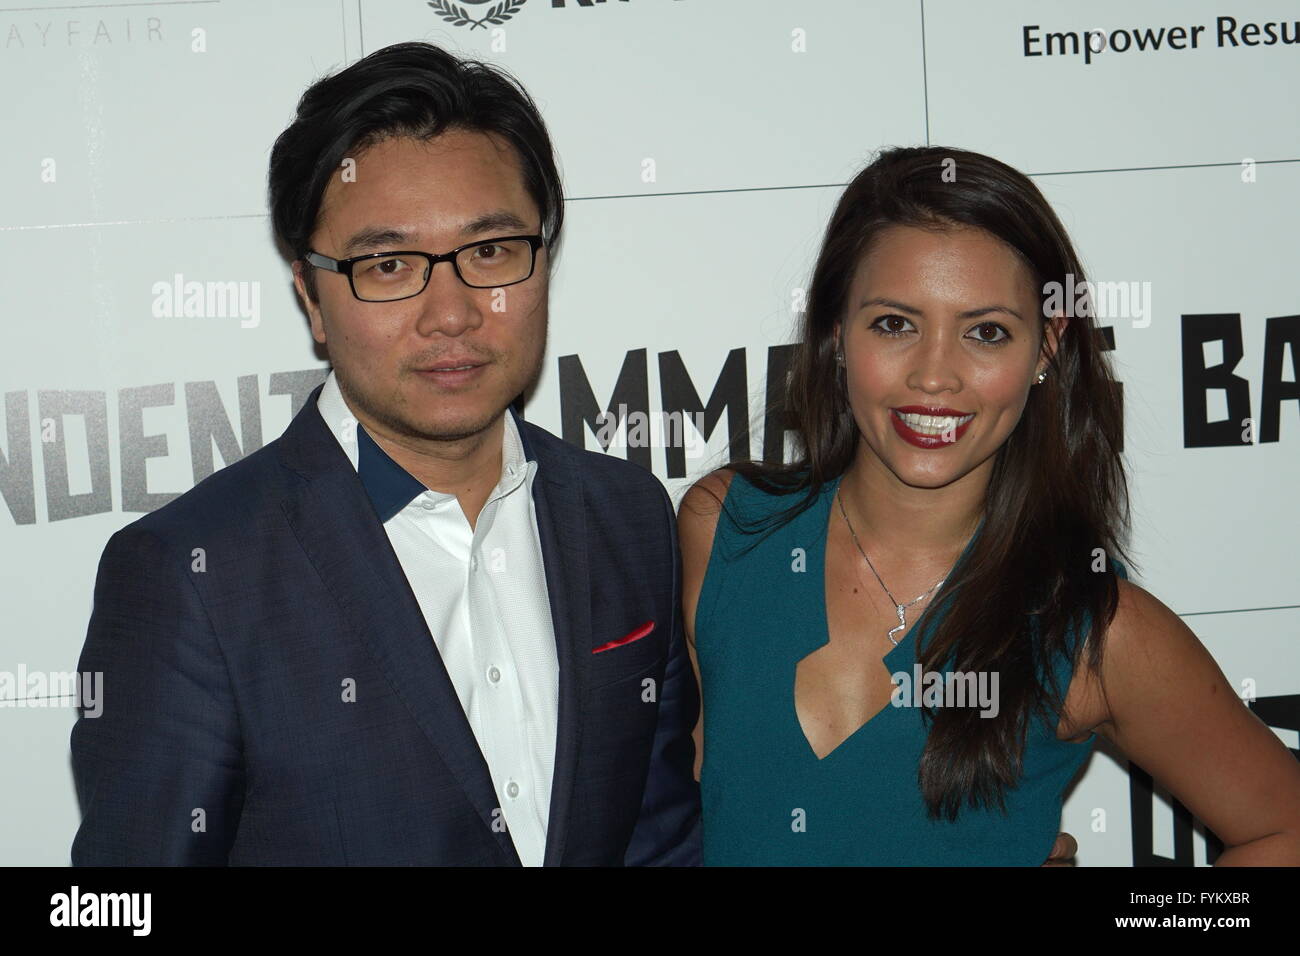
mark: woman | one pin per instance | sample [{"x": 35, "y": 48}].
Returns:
[{"x": 960, "y": 452}]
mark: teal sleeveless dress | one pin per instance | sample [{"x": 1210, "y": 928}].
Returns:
[{"x": 767, "y": 799}]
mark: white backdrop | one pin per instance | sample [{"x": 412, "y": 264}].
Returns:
[{"x": 136, "y": 142}]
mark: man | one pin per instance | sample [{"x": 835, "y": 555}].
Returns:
[{"x": 415, "y": 629}]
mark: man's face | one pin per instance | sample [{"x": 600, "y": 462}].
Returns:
[{"x": 429, "y": 196}]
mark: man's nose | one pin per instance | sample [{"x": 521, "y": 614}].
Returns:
[{"x": 447, "y": 305}]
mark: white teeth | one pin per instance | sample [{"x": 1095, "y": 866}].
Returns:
[{"x": 933, "y": 424}]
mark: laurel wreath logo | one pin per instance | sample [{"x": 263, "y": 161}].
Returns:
[{"x": 458, "y": 16}]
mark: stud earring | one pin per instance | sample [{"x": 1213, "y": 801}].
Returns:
[{"x": 1041, "y": 376}]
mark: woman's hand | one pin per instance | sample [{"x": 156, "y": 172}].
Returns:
[{"x": 1063, "y": 851}]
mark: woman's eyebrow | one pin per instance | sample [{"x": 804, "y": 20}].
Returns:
[
  {"x": 985, "y": 310},
  {"x": 913, "y": 310},
  {"x": 890, "y": 304}
]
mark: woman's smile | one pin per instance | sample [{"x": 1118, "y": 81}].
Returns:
[{"x": 929, "y": 428}]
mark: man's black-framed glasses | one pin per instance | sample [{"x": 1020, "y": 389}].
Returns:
[{"x": 482, "y": 264}]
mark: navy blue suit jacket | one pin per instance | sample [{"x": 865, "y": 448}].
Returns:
[{"x": 229, "y": 623}]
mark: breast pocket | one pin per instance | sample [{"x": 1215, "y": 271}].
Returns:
[{"x": 627, "y": 652}]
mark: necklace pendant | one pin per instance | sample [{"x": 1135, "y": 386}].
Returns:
[{"x": 902, "y": 623}]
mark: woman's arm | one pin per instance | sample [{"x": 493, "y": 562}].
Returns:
[
  {"x": 697, "y": 519},
  {"x": 1168, "y": 707}
]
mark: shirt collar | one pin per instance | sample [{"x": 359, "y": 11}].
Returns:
[{"x": 390, "y": 487}]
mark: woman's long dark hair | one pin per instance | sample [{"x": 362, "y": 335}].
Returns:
[{"x": 1057, "y": 496}]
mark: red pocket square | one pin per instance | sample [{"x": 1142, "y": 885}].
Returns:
[{"x": 634, "y": 635}]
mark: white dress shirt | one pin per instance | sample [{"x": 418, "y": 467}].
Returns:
[{"x": 483, "y": 594}]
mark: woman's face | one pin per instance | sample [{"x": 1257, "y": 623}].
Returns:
[{"x": 941, "y": 338}]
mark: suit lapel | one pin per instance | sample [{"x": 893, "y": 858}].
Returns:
[
  {"x": 337, "y": 528},
  {"x": 562, "y": 529}
]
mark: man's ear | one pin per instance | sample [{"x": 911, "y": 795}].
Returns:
[{"x": 312, "y": 308}]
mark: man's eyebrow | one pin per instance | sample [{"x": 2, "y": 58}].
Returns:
[
  {"x": 499, "y": 219},
  {"x": 913, "y": 310},
  {"x": 375, "y": 237},
  {"x": 383, "y": 238}
]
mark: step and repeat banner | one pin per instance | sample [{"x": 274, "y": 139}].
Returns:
[{"x": 703, "y": 144}]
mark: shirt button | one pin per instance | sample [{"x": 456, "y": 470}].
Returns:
[
  {"x": 494, "y": 675},
  {"x": 512, "y": 789},
  {"x": 473, "y": 563},
  {"x": 429, "y": 505}
]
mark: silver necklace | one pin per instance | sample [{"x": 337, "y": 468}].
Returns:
[{"x": 900, "y": 609}]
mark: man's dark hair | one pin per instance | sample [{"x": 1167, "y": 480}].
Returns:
[{"x": 406, "y": 90}]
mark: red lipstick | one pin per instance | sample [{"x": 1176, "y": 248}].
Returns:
[{"x": 926, "y": 439}]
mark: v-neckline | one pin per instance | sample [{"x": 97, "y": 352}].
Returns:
[{"x": 824, "y": 629}]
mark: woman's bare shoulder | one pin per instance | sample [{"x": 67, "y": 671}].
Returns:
[
  {"x": 704, "y": 498},
  {"x": 697, "y": 516}
]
